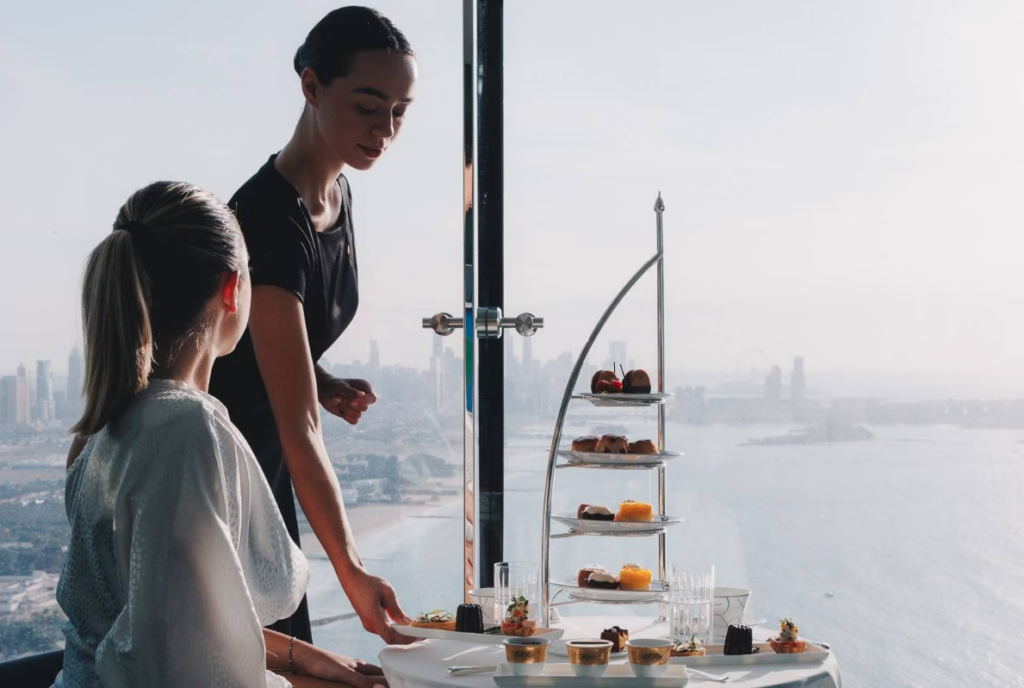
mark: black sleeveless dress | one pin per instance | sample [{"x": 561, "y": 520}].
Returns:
[{"x": 286, "y": 251}]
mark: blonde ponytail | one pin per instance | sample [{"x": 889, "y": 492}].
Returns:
[
  {"x": 118, "y": 336},
  {"x": 145, "y": 287}
]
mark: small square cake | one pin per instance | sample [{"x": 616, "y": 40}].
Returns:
[{"x": 618, "y": 636}]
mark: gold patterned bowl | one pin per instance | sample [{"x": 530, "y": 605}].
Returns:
[
  {"x": 649, "y": 657},
  {"x": 588, "y": 657},
  {"x": 526, "y": 656}
]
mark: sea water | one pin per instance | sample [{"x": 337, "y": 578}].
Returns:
[{"x": 905, "y": 553}]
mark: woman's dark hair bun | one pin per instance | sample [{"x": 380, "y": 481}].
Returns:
[{"x": 334, "y": 41}]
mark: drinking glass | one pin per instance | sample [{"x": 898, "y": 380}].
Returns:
[
  {"x": 691, "y": 601},
  {"x": 512, "y": 579}
]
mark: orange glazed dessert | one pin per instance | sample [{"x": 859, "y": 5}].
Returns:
[
  {"x": 634, "y": 511},
  {"x": 632, "y": 577}
]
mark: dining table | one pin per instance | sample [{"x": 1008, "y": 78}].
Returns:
[{"x": 423, "y": 664}]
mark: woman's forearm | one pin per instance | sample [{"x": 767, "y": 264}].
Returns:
[{"x": 319, "y": 494}]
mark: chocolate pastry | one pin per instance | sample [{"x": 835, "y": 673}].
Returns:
[
  {"x": 739, "y": 640},
  {"x": 642, "y": 447},
  {"x": 618, "y": 636},
  {"x": 584, "y": 574},
  {"x": 469, "y": 618},
  {"x": 594, "y": 512},
  {"x": 636, "y": 382},
  {"x": 603, "y": 580},
  {"x": 613, "y": 444},
  {"x": 587, "y": 443}
]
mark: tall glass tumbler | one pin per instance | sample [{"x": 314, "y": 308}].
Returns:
[
  {"x": 513, "y": 579},
  {"x": 691, "y": 602}
]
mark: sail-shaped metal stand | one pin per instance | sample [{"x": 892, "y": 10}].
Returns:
[{"x": 656, "y": 399}]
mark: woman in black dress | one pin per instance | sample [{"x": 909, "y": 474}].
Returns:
[{"x": 357, "y": 73}]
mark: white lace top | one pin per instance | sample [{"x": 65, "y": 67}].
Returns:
[{"x": 178, "y": 553}]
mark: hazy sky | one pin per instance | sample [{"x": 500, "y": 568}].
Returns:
[{"x": 843, "y": 179}]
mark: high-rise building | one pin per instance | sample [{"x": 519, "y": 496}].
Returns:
[
  {"x": 14, "y": 398},
  {"x": 44, "y": 392},
  {"x": 76, "y": 377},
  {"x": 797, "y": 388},
  {"x": 773, "y": 387},
  {"x": 374, "y": 355},
  {"x": 797, "y": 381}
]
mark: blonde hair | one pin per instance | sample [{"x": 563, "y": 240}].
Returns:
[{"x": 146, "y": 287}]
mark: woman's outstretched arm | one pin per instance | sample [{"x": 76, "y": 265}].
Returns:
[{"x": 278, "y": 330}]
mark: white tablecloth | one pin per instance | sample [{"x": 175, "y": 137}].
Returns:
[{"x": 423, "y": 664}]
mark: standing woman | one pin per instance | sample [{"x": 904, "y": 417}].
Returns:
[{"x": 357, "y": 72}]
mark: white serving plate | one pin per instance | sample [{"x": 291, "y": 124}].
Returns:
[
  {"x": 656, "y": 592},
  {"x": 623, "y": 399},
  {"x": 586, "y": 525},
  {"x": 766, "y": 656},
  {"x": 616, "y": 676},
  {"x": 475, "y": 638},
  {"x": 604, "y": 459}
]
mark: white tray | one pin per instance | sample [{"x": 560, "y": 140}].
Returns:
[
  {"x": 656, "y": 592},
  {"x": 604, "y": 459},
  {"x": 766, "y": 656},
  {"x": 623, "y": 399},
  {"x": 587, "y": 525},
  {"x": 616, "y": 676},
  {"x": 475, "y": 638}
]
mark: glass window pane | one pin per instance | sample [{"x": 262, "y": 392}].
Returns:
[
  {"x": 841, "y": 183},
  {"x": 118, "y": 96}
]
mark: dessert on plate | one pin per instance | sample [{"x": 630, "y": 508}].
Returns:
[
  {"x": 602, "y": 580},
  {"x": 517, "y": 619},
  {"x": 642, "y": 447},
  {"x": 438, "y": 619},
  {"x": 739, "y": 640},
  {"x": 630, "y": 510},
  {"x": 594, "y": 512},
  {"x": 689, "y": 648},
  {"x": 618, "y": 637},
  {"x": 634, "y": 577},
  {"x": 788, "y": 641},
  {"x": 605, "y": 381},
  {"x": 586, "y": 443},
  {"x": 469, "y": 618},
  {"x": 613, "y": 444},
  {"x": 584, "y": 574},
  {"x": 636, "y": 382}
]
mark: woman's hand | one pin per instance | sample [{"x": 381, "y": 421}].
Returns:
[
  {"x": 347, "y": 399},
  {"x": 373, "y": 599},
  {"x": 327, "y": 666}
]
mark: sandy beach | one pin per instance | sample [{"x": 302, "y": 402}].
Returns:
[{"x": 368, "y": 520}]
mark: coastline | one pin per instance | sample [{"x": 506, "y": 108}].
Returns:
[{"x": 371, "y": 520}]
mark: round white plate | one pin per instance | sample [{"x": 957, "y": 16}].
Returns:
[
  {"x": 586, "y": 525},
  {"x": 616, "y": 459},
  {"x": 623, "y": 399},
  {"x": 602, "y": 595}
]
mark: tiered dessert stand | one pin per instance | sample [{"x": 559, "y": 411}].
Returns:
[{"x": 577, "y": 460}]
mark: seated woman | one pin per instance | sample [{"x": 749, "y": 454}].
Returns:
[{"x": 178, "y": 552}]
